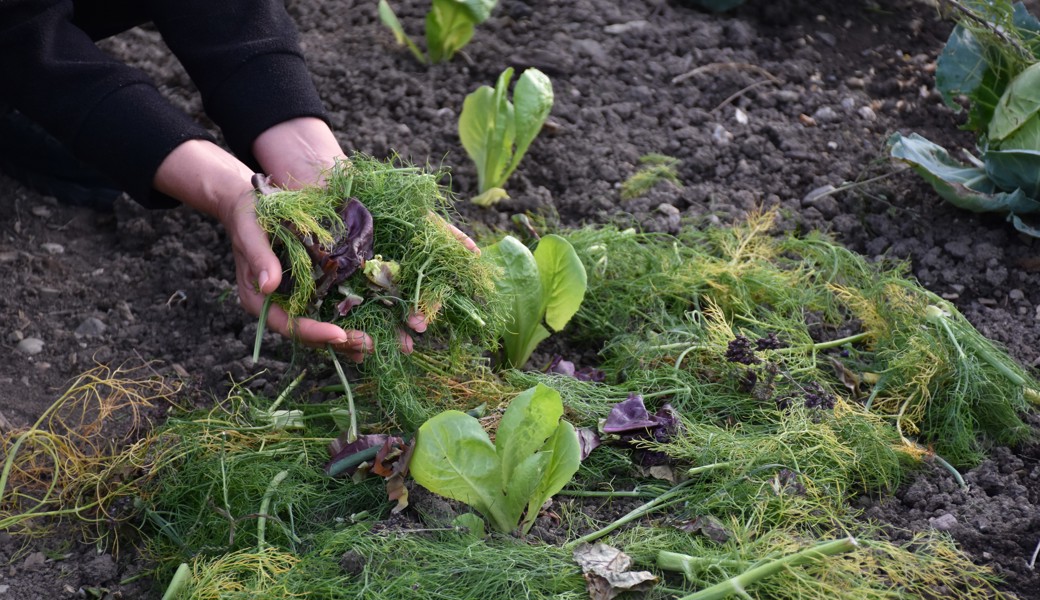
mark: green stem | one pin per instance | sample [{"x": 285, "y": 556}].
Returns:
[
  {"x": 712, "y": 466},
  {"x": 737, "y": 585},
  {"x": 265, "y": 505},
  {"x": 956, "y": 474},
  {"x": 349, "y": 462},
  {"x": 418, "y": 284},
  {"x": 468, "y": 310},
  {"x": 352, "y": 433},
  {"x": 261, "y": 325},
  {"x": 852, "y": 339},
  {"x": 288, "y": 390},
  {"x": 178, "y": 582},
  {"x": 688, "y": 565},
  {"x": 606, "y": 494},
  {"x": 636, "y": 513}
]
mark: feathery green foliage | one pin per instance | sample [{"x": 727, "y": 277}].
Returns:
[
  {"x": 669, "y": 307},
  {"x": 654, "y": 169},
  {"x": 439, "y": 278}
]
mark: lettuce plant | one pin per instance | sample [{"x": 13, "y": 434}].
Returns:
[
  {"x": 449, "y": 27},
  {"x": 546, "y": 286},
  {"x": 496, "y": 133},
  {"x": 534, "y": 455},
  {"x": 994, "y": 62}
]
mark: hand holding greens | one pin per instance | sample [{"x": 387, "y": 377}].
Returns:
[
  {"x": 496, "y": 133},
  {"x": 534, "y": 455}
]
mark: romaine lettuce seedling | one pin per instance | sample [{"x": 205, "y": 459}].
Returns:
[
  {"x": 534, "y": 455},
  {"x": 496, "y": 133},
  {"x": 449, "y": 27},
  {"x": 547, "y": 286}
]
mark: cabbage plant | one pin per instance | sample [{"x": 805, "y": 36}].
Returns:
[{"x": 994, "y": 62}]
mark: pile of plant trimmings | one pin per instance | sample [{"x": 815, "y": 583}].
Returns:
[
  {"x": 372, "y": 247},
  {"x": 748, "y": 388}
]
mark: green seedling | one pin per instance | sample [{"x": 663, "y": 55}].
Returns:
[
  {"x": 496, "y": 133},
  {"x": 655, "y": 169},
  {"x": 534, "y": 455},
  {"x": 449, "y": 27},
  {"x": 546, "y": 286}
]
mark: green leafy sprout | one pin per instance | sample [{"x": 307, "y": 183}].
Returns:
[
  {"x": 655, "y": 169},
  {"x": 449, "y": 27},
  {"x": 542, "y": 290},
  {"x": 534, "y": 455},
  {"x": 497, "y": 132}
]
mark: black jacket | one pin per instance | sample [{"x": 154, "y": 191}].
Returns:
[{"x": 243, "y": 56}]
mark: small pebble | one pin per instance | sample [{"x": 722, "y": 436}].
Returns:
[
  {"x": 826, "y": 114},
  {"x": 30, "y": 346},
  {"x": 52, "y": 248},
  {"x": 90, "y": 327},
  {"x": 943, "y": 522},
  {"x": 721, "y": 136},
  {"x": 867, "y": 113}
]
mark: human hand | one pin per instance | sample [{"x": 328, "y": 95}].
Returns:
[
  {"x": 207, "y": 178},
  {"x": 298, "y": 152}
]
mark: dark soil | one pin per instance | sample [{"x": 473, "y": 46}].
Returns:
[{"x": 761, "y": 106}]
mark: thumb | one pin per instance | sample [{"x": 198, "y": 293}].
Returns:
[{"x": 251, "y": 243}]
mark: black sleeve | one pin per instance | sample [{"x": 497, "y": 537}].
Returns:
[
  {"x": 244, "y": 57},
  {"x": 107, "y": 113}
]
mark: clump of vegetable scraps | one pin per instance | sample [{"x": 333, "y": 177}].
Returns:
[{"x": 373, "y": 247}]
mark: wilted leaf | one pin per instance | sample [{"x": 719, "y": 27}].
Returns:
[
  {"x": 709, "y": 527},
  {"x": 606, "y": 572},
  {"x": 588, "y": 440},
  {"x": 629, "y": 415}
]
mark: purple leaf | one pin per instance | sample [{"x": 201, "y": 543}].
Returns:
[
  {"x": 558, "y": 366},
  {"x": 588, "y": 440},
  {"x": 590, "y": 374},
  {"x": 350, "y": 251},
  {"x": 629, "y": 415},
  {"x": 349, "y": 302}
]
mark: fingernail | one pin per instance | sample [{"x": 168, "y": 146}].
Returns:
[{"x": 262, "y": 280}]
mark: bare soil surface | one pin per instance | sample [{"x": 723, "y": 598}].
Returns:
[{"x": 762, "y": 106}]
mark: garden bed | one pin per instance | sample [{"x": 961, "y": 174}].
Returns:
[{"x": 819, "y": 88}]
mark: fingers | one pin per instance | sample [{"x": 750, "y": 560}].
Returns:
[
  {"x": 315, "y": 334},
  {"x": 467, "y": 242},
  {"x": 417, "y": 322},
  {"x": 405, "y": 341},
  {"x": 252, "y": 249}
]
